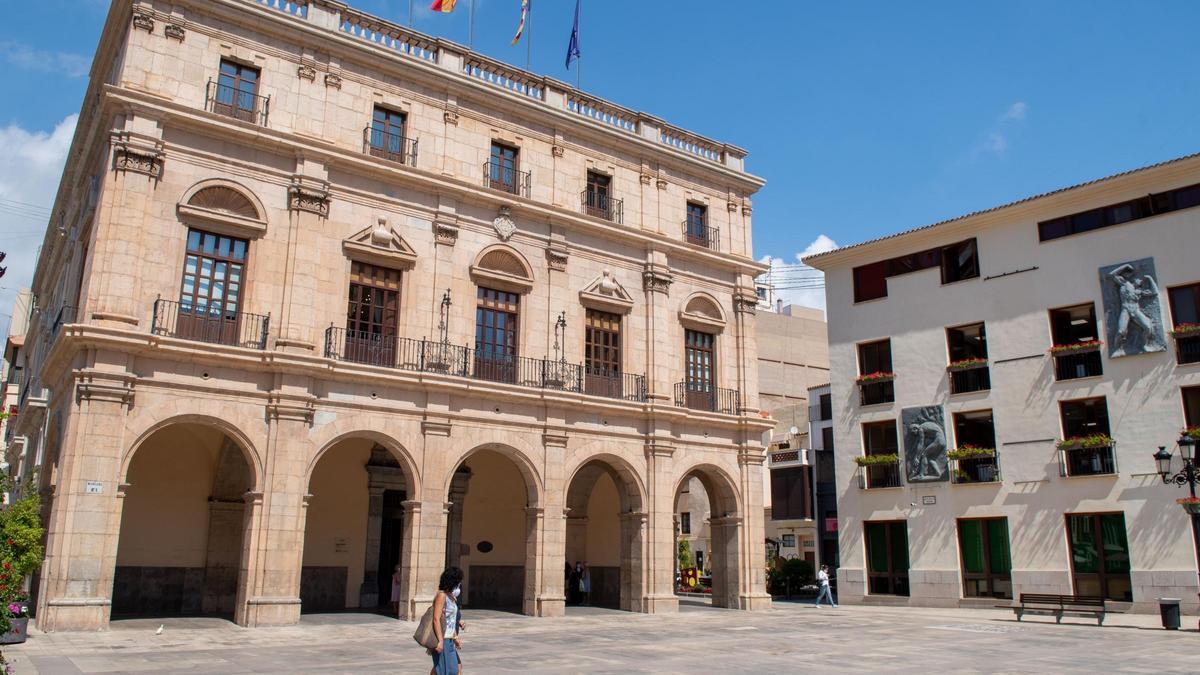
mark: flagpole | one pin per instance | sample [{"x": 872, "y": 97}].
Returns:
[
  {"x": 529, "y": 38},
  {"x": 410, "y": 13},
  {"x": 579, "y": 59},
  {"x": 471, "y": 35}
]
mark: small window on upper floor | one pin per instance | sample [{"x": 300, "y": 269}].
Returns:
[
  {"x": 696, "y": 229},
  {"x": 825, "y": 404},
  {"x": 503, "y": 170},
  {"x": 235, "y": 93},
  {"x": 960, "y": 261},
  {"x": 386, "y": 135},
  {"x": 1116, "y": 214}
]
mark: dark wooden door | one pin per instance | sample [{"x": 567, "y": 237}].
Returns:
[
  {"x": 387, "y": 134},
  {"x": 699, "y": 368},
  {"x": 496, "y": 335},
  {"x": 210, "y": 295},
  {"x": 597, "y": 196},
  {"x": 372, "y": 315},
  {"x": 503, "y": 168},
  {"x": 602, "y": 354},
  {"x": 237, "y": 92}
]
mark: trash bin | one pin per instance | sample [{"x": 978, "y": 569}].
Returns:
[{"x": 1169, "y": 609}]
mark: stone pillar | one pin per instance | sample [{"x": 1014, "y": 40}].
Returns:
[
  {"x": 656, "y": 283},
  {"x": 84, "y": 524},
  {"x": 660, "y": 561},
  {"x": 368, "y": 592},
  {"x": 728, "y": 565},
  {"x": 226, "y": 524},
  {"x": 552, "y": 533},
  {"x": 308, "y": 208},
  {"x": 633, "y": 561},
  {"x": 752, "y": 571},
  {"x": 744, "y": 303},
  {"x": 534, "y": 519},
  {"x": 274, "y": 543},
  {"x": 425, "y": 526},
  {"x": 454, "y": 516}
]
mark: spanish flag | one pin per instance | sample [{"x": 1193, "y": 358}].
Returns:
[{"x": 445, "y": 6}]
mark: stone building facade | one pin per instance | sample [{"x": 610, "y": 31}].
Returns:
[
  {"x": 327, "y": 305},
  {"x": 1008, "y": 376}
]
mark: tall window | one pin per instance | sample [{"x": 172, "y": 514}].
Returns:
[
  {"x": 496, "y": 320},
  {"x": 968, "y": 359},
  {"x": 1073, "y": 326},
  {"x": 876, "y": 357},
  {"x": 791, "y": 493},
  {"x": 699, "y": 369},
  {"x": 237, "y": 91},
  {"x": 986, "y": 561},
  {"x": 697, "y": 224},
  {"x": 596, "y": 197},
  {"x": 685, "y": 523},
  {"x": 887, "y": 557},
  {"x": 879, "y": 438},
  {"x": 387, "y": 134},
  {"x": 1185, "y": 309},
  {"x": 1087, "y": 419},
  {"x": 504, "y": 167},
  {"x": 372, "y": 314},
  {"x": 1100, "y": 555},
  {"x": 602, "y": 353},
  {"x": 975, "y": 429},
  {"x": 210, "y": 295},
  {"x": 1191, "y": 406},
  {"x": 825, "y": 408}
]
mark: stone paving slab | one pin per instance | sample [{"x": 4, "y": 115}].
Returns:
[{"x": 788, "y": 638}]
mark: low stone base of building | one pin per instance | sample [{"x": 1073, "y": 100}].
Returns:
[
  {"x": 74, "y": 614},
  {"x": 270, "y": 612}
]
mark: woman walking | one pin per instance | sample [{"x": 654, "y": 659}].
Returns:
[{"x": 447, "y": 623}]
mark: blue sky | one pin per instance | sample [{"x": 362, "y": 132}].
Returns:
[{"x": 865, "y": 117}]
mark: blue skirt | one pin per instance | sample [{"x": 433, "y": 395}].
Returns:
[{"x": 446, "y": 663}]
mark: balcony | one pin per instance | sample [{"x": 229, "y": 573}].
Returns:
[
  {"x": 873, "y": 475},
  {"x": 242, "y": 105},
  {"x": 702, "y": 235},
  {"x": 699, "y": 396},
  {"x": 427, "y": 356},
  {"x": 978, "y": 469},
  {"x": 504, "y": 178},
  {"x": 602, "y": 205},
  {"x": 969, "y": 377},
  {"x": 1187, "y": 343},
  {"x": 1087, "y": 457},
  {"x": 211, "y": 324},
  {"x": 876, "y": 389},
  {"x": 392, "y": 147},
  {"x": 1073, "y": 363}
]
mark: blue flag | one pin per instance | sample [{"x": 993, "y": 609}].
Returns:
[{"x": 573, "y": 45}]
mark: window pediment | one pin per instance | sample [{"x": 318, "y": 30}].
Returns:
[
  {"x": 606, "y": 293},
  {"x": 224, "y": 206},
  {"x": 702, "y": 312},
  {"x": 380, "y": 245},
  {"x": 503, "y": 268}
]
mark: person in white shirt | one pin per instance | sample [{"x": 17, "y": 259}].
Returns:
[{"x": 823, "y": 580}]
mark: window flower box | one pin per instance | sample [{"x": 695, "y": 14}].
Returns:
[
  {"x": 966, "y": 364},
  {"x": 876, "y": 460},
  {"x": 1184, "y": 330},
  {"x": 1085, "y": 442},
  {"x": 1076, "y": 348},
  {"x": 875, "y": 378},
  {"x": 970, "y": 452},
  {"x": 1189, "y": 504},
  {"x": 1192, "y": 433}
]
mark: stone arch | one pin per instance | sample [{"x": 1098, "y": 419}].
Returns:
[
  {"x": 725, "y": 530},
  {"x": 240, "y": 438},
  {"x": 226, "y": 204},
  {"x": 494, "y": 527},
  {"x": 503, "y": 267},
  {"x": 184, "y": 512},
  {"x": 358, "y": 522},
  {"x": 610, "y": 540}
]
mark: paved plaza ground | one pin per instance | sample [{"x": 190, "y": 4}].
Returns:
[{"x": 791, "y": 637}]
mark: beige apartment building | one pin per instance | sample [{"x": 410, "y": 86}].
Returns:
[
  {"x": 327, "y": 305},
  {"x": 1007, "y": 377}
]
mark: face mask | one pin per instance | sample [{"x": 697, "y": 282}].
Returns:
[{"x": 456, "y": 591}]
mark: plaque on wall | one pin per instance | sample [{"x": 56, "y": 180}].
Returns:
[
  {"x": 924, "y": 430},
  {"x": 1132, "y": 311}
]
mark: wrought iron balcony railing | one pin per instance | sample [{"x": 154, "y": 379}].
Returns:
[
  {"x": 602, "y": 205},
  {"x": 701, "y": 396},
  {"x": 876, "y": 393},
  {"x": 976, "y": 470},
  {"x": 1187, "y": 348},
  {"x": 429, "y": 356},
  {"x": 879, "y": 476},
  {"x": 392, "y": 147},
  {"x": 701, "y": 234},
  {"x": 1096, "y": 461},
  {"x": 211, "y": 323},
  {"x": 505, "y": 178},
  {"x": 970, "y": 380},
  {"x": 1078, "y": 365},
  {"x": 236, "y": 103}
]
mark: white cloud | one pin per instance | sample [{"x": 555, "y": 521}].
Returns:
[
  {"x": 796, "y": 283},
  {"x": 1016, "y": 111},
  {"x": 26, "y": 57},
  {"x": 31, "y": 164},
  {"x": 996, "y": 139}
]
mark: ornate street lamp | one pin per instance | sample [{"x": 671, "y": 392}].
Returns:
[{"x": 1189, "y": 475}]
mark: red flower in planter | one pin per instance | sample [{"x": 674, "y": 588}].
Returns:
[{"x": 7, "y": 566}]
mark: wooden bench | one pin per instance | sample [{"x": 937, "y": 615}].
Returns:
[{"x": 1060, "y": 605}]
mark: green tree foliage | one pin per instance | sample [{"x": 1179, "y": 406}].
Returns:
[
  {"x": 686, "y": 561},
  {"x": 20, "y": 548}
]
